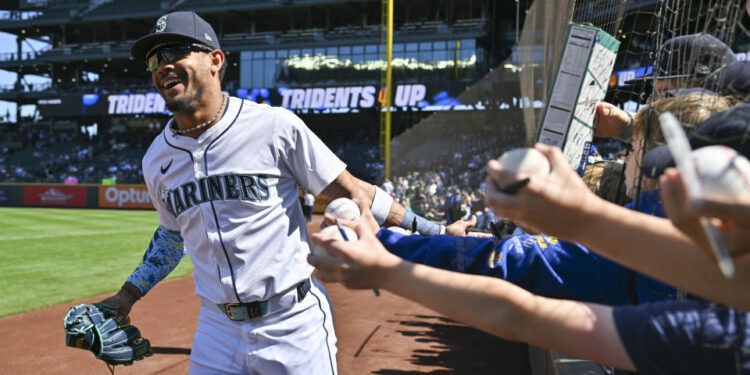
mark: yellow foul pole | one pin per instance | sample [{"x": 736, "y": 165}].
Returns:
[{"x": 386, "y": 79}]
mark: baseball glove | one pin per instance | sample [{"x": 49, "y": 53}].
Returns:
[{"x": 105, "y": 332}]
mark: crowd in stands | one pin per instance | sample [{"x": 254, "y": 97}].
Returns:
[
  {"x": 72, "y": 156},
  {"x": 60, "y": 155}
]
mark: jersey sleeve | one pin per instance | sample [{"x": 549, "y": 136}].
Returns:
[
  {"x": 540, "y": 264},
  {"x": 164, "y": 253},
  {"x": 311, "y": 162}
]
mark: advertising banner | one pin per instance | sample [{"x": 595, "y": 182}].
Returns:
[
  {"x": 5, "y": 196},
  {"x": 102, "y": 105},
  {"x": 63, "y": 196},
  {"x": 124, "y": 197},
  {"x": 325, "y": 99}
]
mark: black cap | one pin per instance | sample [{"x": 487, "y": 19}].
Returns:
[
  {"x": 173, "y": 27},
  {"x": 730, "y": 127},
  {"x": 733, "y": 79},
  {"x": 695, "y": 55},
  {"x": 656, "y": 161}
]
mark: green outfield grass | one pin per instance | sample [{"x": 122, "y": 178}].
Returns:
[{"x": 50, "y": 256}]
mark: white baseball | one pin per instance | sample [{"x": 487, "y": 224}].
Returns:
[
  {"x": 332, "y": 231},
  {"x": 343, "y": 208},
  {"x": 723, "y": 172},
  {"x": 521, "y": 163}
]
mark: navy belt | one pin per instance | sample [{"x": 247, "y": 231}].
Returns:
[{"x": 246, "y": 311}]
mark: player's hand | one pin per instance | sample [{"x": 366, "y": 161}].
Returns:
[
  {"x": 359, "y": 264},
  {"x": 558, "y": 203},
  {"x": 329, "y": 219},
  {"x": 731, "y": 218},
  {"x": 610, "y": 120}
]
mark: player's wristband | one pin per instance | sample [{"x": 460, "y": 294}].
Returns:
[
  {"x": 416, "y": 223},
  {"x": 381, "y": 205}
]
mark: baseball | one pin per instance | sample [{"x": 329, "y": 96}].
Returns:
[
  {"x": 343, "y": 208},
  {"x": 332, "y": 231},
  {"x": 723, "y": 172},
  {"x": 522, "y": 162}
]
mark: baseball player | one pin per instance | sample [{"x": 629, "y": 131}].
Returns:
[{"x": 223, "y": 176}]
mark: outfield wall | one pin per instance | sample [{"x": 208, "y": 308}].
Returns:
[{"x": 90, "y": 196}]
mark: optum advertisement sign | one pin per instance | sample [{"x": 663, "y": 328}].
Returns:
[{"x": 124, "y": 197}]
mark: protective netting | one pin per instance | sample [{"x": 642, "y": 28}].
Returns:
[{"x": 509, "y": 101}]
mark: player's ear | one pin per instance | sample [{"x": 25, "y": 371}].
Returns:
[{"x": 217, "y": 60}]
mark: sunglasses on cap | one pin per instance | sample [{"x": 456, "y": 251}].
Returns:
[{"x": 171, "y": 53}]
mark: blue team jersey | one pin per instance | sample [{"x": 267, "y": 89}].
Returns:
[
  {"x": 685, "y": 337},
  {"x": 538, "y": 263}
]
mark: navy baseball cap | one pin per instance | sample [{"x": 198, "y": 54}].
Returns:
[
  {"x": 730, "y": 127},
  {"x": 175, "y": 27},
  {"x": 733, "y": 79},
  {"x": 695, "y": 55}
]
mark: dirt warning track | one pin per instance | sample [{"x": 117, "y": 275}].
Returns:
[{"x": 385, "y": 335}]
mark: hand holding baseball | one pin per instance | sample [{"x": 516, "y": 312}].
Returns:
[
  {"x": 549, "y": 203},
  {"x": 360, "y": 264}
]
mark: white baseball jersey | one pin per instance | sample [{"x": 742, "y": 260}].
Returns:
[{"x": 233, "y": 195}]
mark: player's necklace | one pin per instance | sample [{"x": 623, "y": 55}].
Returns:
[{"x": 205, "y": 124}]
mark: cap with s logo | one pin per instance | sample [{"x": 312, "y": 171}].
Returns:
[{"x": 176, "y": 27}]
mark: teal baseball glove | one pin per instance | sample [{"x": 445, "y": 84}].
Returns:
[{"x": 105, "y": 332}]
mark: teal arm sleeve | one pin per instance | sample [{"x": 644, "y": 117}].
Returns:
[{"x": 164, "y": 253}]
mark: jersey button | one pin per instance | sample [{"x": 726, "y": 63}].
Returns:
[{"x": 211, "y": 225}]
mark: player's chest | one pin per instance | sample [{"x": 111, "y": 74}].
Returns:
[{"x": 189, "y": 179}]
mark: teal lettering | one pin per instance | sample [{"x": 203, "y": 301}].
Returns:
[
  {"x": 229, "y": 183},
  {"x": 179, "y": 205},
  {"x": 262, "y": 190},
  {"x": 214, "y": 188},
  {"x": 188, "y": 190},
  {"x": 248, "y": 185}
]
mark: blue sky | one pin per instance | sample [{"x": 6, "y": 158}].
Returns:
[{"x": 8, "y": 44}]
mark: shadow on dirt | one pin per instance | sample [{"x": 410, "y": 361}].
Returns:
[{"x": 460, "y": 349}]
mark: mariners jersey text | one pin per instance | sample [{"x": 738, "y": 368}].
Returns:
[{"x": 222, "y": 187}]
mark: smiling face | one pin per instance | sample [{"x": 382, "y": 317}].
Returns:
[{"x": 183, "y": 81}]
